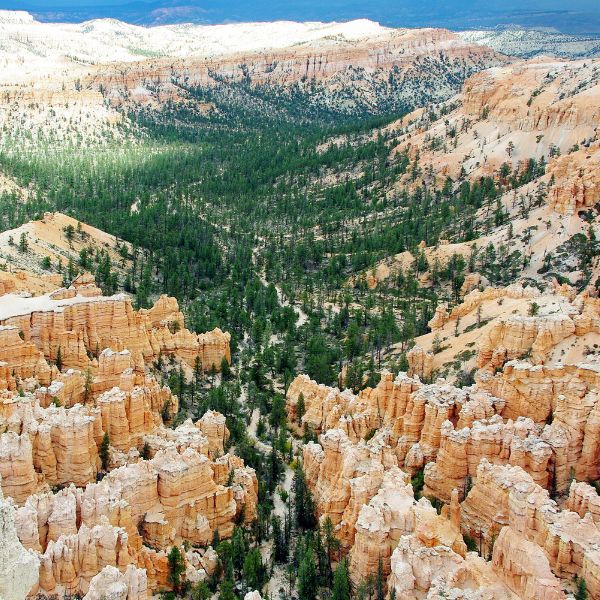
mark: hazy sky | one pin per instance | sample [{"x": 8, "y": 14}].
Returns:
[{"x": 577, "y": 16}]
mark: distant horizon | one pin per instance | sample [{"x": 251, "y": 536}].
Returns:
[{"x": 581, "y": 18}]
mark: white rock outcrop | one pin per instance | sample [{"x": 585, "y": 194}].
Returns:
[{"x": 18, "y": 567}]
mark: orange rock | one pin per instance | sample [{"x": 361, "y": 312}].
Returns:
[
  {"x": 534, "y": 527},
  {"x": 576, "y": 181},
  {"x": 518, "y": 336},
  {"x": 19, "y": 479},
  {"x": 524, "y": 567},
  {"x": 81, "y": 324},
  {"x": 461, "y": 450},
  {"x": 420, "y": 363}
]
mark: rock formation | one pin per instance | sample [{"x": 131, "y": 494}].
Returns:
[
  {"x": 420, "y": 363},
  {"x": 576, "y": 182},
  {"x": 18, "y": 567},
  {"x": 77, "y": 325},
  {"x": 74, "y": 368},
  {"x": 111, "y": 584},
  {"x": 524, "y": 567},
  {"x": 536, "y": 537},
  {"x": 173, "y": 496}
]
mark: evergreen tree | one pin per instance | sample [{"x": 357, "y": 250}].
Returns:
[
  {"x": 59, "y": 361},
  {"x": 239, "y": 548},
  {"x": 226, "y": 591},
  {"x": 104, "y": 451},
  {"x": 23, "y": 243},
  {"x": 225, "y": 369},
  {"x": 300, "y": 408},
  {"x": 379, "y": 582},
  {"x": 307, "y": 577},
  {"x": 145, "y": 453},
  {"x": 201, "y": 591},
  {"x": 254, "y": 571},
  {"x": 280, "y": 545},
  {"x": 581, "y": 593},
  {"x": 304, "y": 504},
  {"x": 87, "y": 385},
  {"x": 341, "y": 582},
  {"x": 176, "y": 566},
  {"x": 216, "y": 539}
]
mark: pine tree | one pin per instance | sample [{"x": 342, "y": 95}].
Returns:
[
  {"x": 254, "y": 571},
  {"x": 238, "y": 547},
  {"x": 226, "y": 592},
  {"x": 341, "y": 582},
  {"x": 145, "y": 453},
  {"x": 176, "y": 568},
  {"x": 581, "y": 593},
  {"x": 104, "y": 451},
  {"x": 87, "y": 385},
  {"x": 300, "y": 408},
  {"x": 307, "y": 577},
  {"x": 280, "y": 546},
  {"x": 379, "y": 583},
  {"x": 23, "y": 243},
  {"x": 225, "y": 369},
  {"x": 216, "y": 539},
  {"x": 331, "y": 542},
  {"x": 59, "y": 361},
  {"x": 201, "y": 591},
  {"x": 304, "y": 503}
]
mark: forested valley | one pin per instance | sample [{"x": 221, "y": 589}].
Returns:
[{"x": 263, "y": 217}]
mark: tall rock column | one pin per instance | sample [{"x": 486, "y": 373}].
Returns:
[{"x": 18, "y": 567}]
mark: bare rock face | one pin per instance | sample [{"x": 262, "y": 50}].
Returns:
[
  {"x": 565, "y": 394},
  {"x": 461, "y": 450},
  {"x": 111, "y": 584},
  {"x": 393, "y": 513},
  {"x": 576, "y": 182},
  {"x": 172, "y": 497},
  {"x": 20, "y": 357},
  {"x": 58, "y": 446},
  {"x": 344, "y": 476},
  {"x": 69, "y": 563},
  {"x": 7, "y": 286},
  {"x": 128, "y": 415},
  {"x": 79, "y": 324},
  {"x": 420, "y": 363},
  {"x": 506, "y": 502},
  {"x": 388, "y": 515},
  {"x": 436, "y": 572},
  {"x": 584, "y": 499},
  {"x": 440, "y": 318},
  {"x": 519, "y": 336},
  {"x": 328, "y": 408},
  {"x": 186, "y": 435},
  {"x": 212, "y": 425},
  {"x": 107, "y": 538},
  {"x": 473, "y": 281},
  {"x": 474, "y": 298},
  {"x": 19, "y": 478},
  {"x": 524, "y": 567},
  {"x": 18, "y": 567},
  {"x": 532, "y": 390}
]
